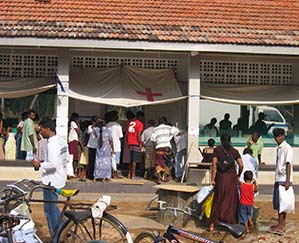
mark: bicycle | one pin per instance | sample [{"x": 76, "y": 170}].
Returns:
[
  {"x": 80, "y": 226},
  {"x": 9, "y": 221},
  {"x": 236, "y": 230}
]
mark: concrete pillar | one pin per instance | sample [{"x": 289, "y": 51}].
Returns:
[
  {"x": 193, "y": 109},
  {"x": 62, "y": 97}
]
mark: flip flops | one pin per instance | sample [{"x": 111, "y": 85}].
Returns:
[
  {"x": 276, "y": 231},
  {"x": 136, "y": 178}
]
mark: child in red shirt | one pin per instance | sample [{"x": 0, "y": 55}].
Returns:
[{"x": 247, "y": 190}]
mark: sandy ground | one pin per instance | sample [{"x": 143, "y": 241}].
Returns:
[{"x": 136, "y": 218}]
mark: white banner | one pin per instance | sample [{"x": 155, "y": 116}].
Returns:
[{"x": 124, "y": 86}]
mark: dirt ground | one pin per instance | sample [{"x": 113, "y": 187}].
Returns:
[{"x": 267, "y": 217}]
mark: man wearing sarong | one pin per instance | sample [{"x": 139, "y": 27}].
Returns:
[{"x": 161, "y": 137}]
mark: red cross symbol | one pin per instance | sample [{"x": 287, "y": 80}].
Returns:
[{"x": 149, "y": 94}]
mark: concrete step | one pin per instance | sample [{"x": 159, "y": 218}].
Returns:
[
  {"x": 201, "y": 174},
  {"x": 11, "y": 171}
]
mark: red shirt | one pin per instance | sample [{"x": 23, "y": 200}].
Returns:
[
  {"x": 247, "y": 194},
  {"x": 134, "y": 127}
]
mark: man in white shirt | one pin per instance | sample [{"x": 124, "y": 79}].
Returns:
[
  {"x": 53, "y": 170},
  {"x": 283, "y": 176},
  {"x": 117, "y": 133},
  {"x": 249, "y": 163}
]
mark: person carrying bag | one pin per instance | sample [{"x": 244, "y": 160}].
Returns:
[{"x": 224, "y": 165}]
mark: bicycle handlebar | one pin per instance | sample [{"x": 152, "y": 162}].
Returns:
[
  {"x": 21, "y": 192},
  {"x": 162, "y": 207}
]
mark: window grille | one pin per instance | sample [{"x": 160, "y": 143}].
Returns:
[
  {"x": 106, "y": 62},
  {"x": 22, "y": 65},
  {"x": 245, "y": 73}
]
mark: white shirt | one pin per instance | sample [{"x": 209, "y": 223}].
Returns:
[
  {"x": 73, "y": 135},
  {"x": 146, "y": 136},
  {"x": 181, "y": 142},
  {"x": 117, "y": 134},
  {"x": 20, "y": 125},
  {"x": 162, "y": 135},
  {"x": 284, "y": 154},
  {"x": 56, "y": 158},
  {"x": 249, "y": 163},
  {"x": 93, "y": 141}
]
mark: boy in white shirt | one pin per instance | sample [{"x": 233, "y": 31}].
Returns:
[{"x": 283, "y": 176}]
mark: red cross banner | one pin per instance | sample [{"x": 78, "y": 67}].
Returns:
[
  {"x": 124, "y": 86},
  {"x": 149, "y": 94}
]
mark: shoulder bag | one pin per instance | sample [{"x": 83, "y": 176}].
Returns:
[{"x": 227, "y": 163}]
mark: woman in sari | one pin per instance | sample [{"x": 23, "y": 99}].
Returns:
[
  {"x": 102, "y": 168},
  {"x": 225, "y": 204}
]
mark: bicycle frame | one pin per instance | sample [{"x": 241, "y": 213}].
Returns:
[
  {"x": 171, "y": 231},
  {"x": 22, "y": 192},
  {"x": 67, "y": 203}
]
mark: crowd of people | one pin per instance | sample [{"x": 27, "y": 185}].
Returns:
[
  {"x": 226, "y": 126},
  {"x": 98, "y": 148},
  {"x": 22, "y": 145},
  {"x": 158, "y": 151}
]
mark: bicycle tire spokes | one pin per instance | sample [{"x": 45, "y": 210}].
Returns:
[
  {"x": 108, "y": 232},
  {"x": 85, "y": 232}
]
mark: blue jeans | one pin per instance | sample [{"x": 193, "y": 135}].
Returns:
[
  {"x": 18, "y": 146},
  {"x": 178, "y": 159},
  {"x": 52, "y": 212}
]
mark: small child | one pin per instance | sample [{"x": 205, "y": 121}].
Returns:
[
  {"x": 207, "y": 152},
  {"x": 10, "y": 145},
  {"x": 247, "y": 190}
]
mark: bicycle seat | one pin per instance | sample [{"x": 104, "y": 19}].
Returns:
[
  {"x": 67, "y": 193},
  {"x": 237, "y": 230},
  {"x": 77, "y": 217}
]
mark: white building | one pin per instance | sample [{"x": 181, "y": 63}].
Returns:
[{"x": 208, "y": 44}]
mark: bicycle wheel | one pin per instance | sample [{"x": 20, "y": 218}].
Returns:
[
  {"x": 145, "y": 237},
  {"x": 107, "y": 229},
  {"x": 181, "y": 220}
]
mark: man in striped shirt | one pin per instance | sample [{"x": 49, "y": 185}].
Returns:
[{"x": 162, "y": 134}]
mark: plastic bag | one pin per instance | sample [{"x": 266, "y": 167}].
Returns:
[
  {"x": 69, "y": 167},
  {"x": 100, "y": 206},
  {"x": 203, "y": 193},
  {"x": 286, "y": 199},
  {"x": 84, "y": 157},
  {"x": 113, "y": 163},
  {"x": 25, "y": 230},
  {"x": 208, "y": 205}
]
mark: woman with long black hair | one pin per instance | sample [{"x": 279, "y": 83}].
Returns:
[
  {"x": 225, "y": 204},
  {"x": 102, "y": 168}
]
